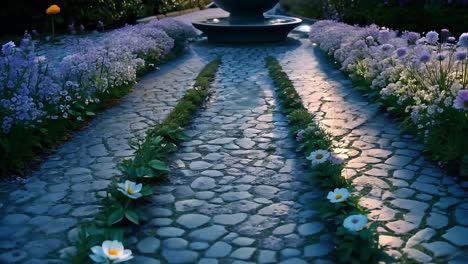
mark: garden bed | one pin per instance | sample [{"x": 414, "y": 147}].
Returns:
[
  {"x": 422, "y": 80},
  {"x": 41, "y": 104}
]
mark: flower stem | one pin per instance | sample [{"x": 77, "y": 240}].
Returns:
[{"x": 53, "y": 27}]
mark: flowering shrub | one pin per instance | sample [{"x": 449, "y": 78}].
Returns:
[
  {"x": 422, "y": 79},
  {"x": 174, "y": 28},
  {"x": 355, "y": 240},
  {"x": 43, "y": 102}
]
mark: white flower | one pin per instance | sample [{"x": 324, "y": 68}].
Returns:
[
  {"x": 338, "y": 195},
  {"x": 130, "y": 189},
  {"x": 110, "y": 252},
  {"x": 355, "y": 222},
  {"x": 318, "y": 156}
]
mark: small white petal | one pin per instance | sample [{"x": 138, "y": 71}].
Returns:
[
  {"x": 97, "y": 250},
  {"x": 98, "y": 259},
  {"x": 138, "y": 188}
]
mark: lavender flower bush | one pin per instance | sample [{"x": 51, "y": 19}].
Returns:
[
  {"x": 422, "y": 79},
  {"x": 43, "y": 102}
]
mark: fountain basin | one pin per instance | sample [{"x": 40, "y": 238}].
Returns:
[{"x": 266, "y": 29}]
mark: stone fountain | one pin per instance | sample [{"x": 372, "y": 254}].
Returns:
[{"x": 247, "y": 23}]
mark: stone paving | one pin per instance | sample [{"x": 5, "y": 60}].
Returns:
[
  {"x": 422, "y": 212},
  {"x": 235, "y": 192},
  {"x": 36, "y": 215}
]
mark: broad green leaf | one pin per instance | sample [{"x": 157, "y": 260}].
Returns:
[
  {"x": 132, "y": 216},
  {"x": 158, "y": 165},
  {"x": 89, "y": 113},
  {"x": 115, "y": 217},
  {"x": 146, "y": 190}
]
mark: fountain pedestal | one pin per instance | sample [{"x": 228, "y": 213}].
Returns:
[{"x": 247, "y": 23}]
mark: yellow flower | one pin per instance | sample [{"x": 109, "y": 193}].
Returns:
[{"x": 53, "y": 10}]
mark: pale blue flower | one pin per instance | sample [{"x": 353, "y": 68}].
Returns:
[
  {"x": 432, "y": 37},
  {"x": 463, "y": 41}
]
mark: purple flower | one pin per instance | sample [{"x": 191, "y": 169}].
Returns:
[
  {"x": 300, "y": 135},
  {"x": 7, "y": 124},
  {"x": 8, "y": 48},
  {"x": 412, "y": 36},
  {"x": 432, "y": 37},
  {"x": 460, "y": 55},
  {"x": 401, "y": 52},
  {"x": 335, "y": 159},
  {"x": 444, "y": 31},
  {"x": 387, "y": 47},
  {"x": 424, "y": 57},
  {"x": 463, "y": 41},
  {"x": 451, "y": 39},
  {"x": 440, "y": 56},
  {"x": 461, "y": 101},
  {"x": 384, "y": 36}
]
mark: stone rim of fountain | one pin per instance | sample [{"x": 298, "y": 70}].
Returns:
[{"x": 248, "y": 27}]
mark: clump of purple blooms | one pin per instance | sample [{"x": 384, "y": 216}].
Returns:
[
  {"x": 425, "y": 82},
  {"x": 32, "y": 93}
]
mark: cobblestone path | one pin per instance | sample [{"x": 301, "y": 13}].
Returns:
[
  {"x": 236, "y": 193},
  {"x": 37, "y": 215},
  {"x": 422, "y": 212}
]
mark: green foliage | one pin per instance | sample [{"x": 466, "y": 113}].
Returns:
[
  {"x": 334, "y": 213},
  {"x": 299, "y": 119},
  {"x": 420, "y": 16},
  {"x": 290, "y": 99},
  {"x": 86, "y": 12},
  {"x": 447, "y": 141},
  {"x": 360, "y": 247},
  {"x": 309, "y": 8}
]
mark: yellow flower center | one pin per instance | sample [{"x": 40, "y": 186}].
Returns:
[
  {"x": 338, "y": 196},
  {"x": 129, "y": 190},
  {"x": 113, "y": 252},
  {"x": 319, "y": 156}
]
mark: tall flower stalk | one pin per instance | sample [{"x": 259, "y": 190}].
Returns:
[{"x": 52, "y": 11}]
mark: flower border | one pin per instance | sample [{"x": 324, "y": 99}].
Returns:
[
  {"x": 356, "y": 242},
  {"x": 149, "y": 164}
]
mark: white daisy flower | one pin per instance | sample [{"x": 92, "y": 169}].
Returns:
[
  {"x": 338, "y": 195},
  {"x": 355, "y": 222},
  {"x": 110, "y": 252},
  {"x": 130, "y": 189},
  {"x": 318, "y": 156}
]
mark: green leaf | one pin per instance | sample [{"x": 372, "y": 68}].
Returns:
[
  {"x": 132, "y": 216},
  {"x": 115, "y": 217},
  {"x": 89, "y": 113},
  {"x": 144, "y": 172},
  {"x": 146, "y": 190},
  {"x": 182, "y": 137},
  {"x": 158, "y": 165}
]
